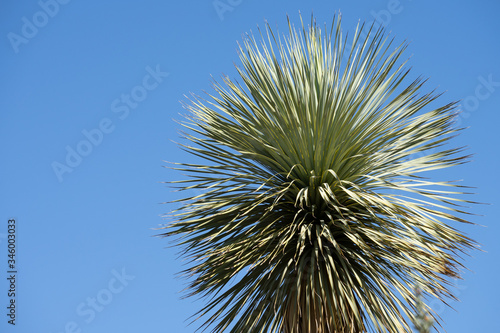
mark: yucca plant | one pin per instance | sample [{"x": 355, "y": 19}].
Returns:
[
  {"x": 310, "y": 213},
  {"x": 421, "y": 320}
]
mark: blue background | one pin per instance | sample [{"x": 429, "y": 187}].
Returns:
[{"x": 78, "y": 231}]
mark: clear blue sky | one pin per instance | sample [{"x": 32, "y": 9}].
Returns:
[{"x": 104, "y": 80}]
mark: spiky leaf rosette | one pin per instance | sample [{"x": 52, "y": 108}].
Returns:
[{"x": 311, "y": 202}]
